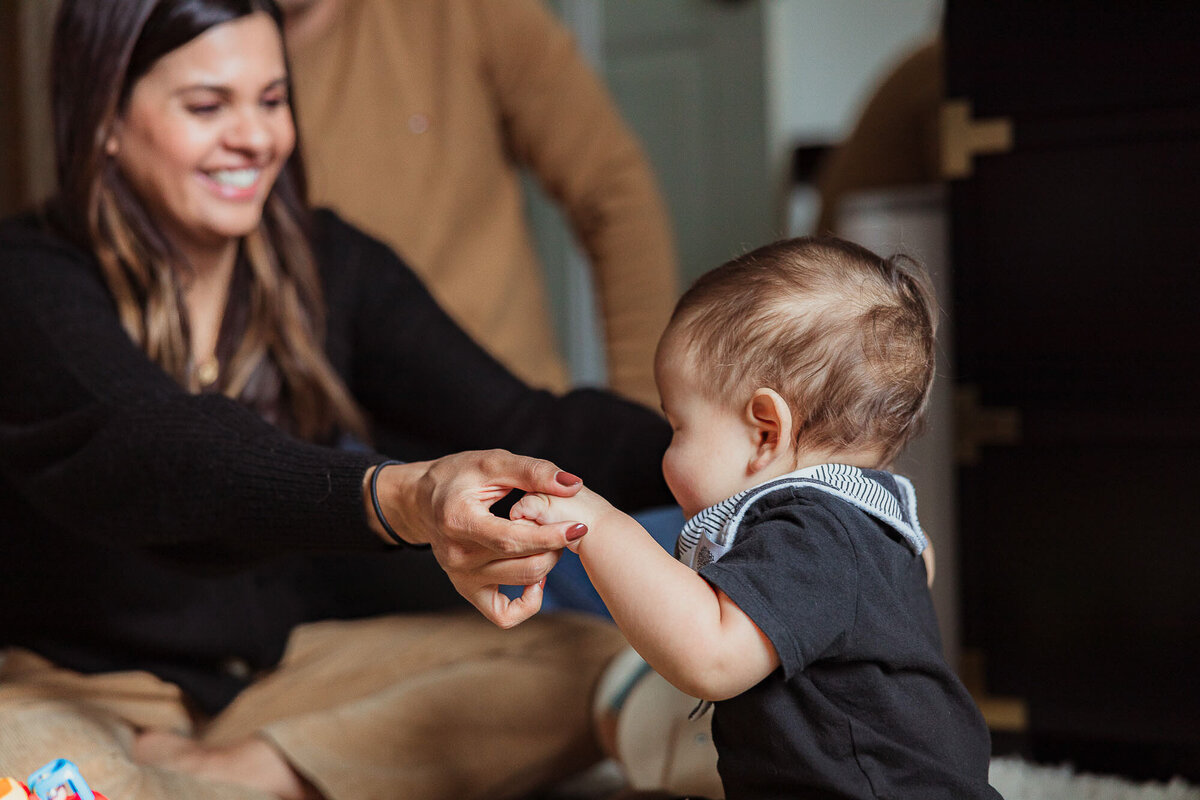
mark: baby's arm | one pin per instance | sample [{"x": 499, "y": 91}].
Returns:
[{"x": 689, "y": 632}]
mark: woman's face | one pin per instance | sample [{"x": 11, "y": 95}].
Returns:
[{"x": 206, "y": 132}]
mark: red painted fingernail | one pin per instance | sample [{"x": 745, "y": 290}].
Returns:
[
  {"x": 542, "y": 583},
  {"x": 576, "y": 531},
  {"x": 567, "y": 479}
]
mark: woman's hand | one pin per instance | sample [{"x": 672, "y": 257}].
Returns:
[{"x": 445, "y": 503}]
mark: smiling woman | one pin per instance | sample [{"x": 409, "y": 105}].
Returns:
[
  {"x": 198, "y": 165},
  {"x": 204, "y": 134},
  {"x": 201, "y": 139},
  {"x": 202, "y": 383}
]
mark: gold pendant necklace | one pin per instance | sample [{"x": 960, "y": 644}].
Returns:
[{"x": 208, "y": 370}]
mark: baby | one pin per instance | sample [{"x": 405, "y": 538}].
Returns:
[{"x": 792, "y": 377}]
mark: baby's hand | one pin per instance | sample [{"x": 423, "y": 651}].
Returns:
[{"x": 585, "y": 507}]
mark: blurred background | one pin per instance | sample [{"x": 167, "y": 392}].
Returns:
[{"x": 1043, "y": 160}]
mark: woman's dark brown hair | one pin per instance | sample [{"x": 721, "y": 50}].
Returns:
[{"x": 275, "y": 362}]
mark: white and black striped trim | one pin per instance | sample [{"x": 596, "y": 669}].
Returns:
[
  {"x": 707, "y": 524},
  {"x": 709, "y": 535}
]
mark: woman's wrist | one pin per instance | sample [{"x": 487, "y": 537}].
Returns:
[{"x": 389, "y": 491}]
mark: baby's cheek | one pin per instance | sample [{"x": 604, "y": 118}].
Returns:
[{"x": 672, "y": 475}]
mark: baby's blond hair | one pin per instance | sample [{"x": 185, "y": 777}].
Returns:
[{"x": 844, "y": 336}]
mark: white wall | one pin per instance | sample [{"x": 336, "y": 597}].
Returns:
[{"x": 824, "y": 57}]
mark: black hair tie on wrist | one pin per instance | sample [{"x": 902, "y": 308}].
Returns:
[{"x": 379, "y": 509}]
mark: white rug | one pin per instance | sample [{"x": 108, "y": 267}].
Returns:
[
  {"x": 1013, "y": 778},
  {"x": 1019, "y": 780}
]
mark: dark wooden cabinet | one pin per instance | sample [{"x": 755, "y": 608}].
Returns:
[{"x": 1076, "y": 257}]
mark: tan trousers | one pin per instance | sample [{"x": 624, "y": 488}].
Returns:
[{"x": 417, "y": 707}]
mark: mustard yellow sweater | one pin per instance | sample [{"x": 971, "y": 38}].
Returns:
[{"x": 415, "y": 117}]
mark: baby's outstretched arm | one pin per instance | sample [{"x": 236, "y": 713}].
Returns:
[{"x": 690, "y": 632}]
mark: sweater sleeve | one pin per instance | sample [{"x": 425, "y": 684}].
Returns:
[
  {"x": 100, "y": 441},
  {"x": 560, "y": 121},
  {"x": 417, "y": 373}
]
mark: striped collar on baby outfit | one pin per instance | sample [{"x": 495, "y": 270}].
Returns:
[{"x": 711, "y": 533}]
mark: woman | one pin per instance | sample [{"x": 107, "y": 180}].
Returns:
[{"x": 190, "y": 365}]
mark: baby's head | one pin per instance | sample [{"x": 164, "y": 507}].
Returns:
[{"x": 815, "y": 348}]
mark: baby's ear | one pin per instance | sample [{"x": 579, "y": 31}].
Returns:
[{"x": 771, "y": 421}]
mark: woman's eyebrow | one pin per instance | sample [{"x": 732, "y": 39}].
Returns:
[
  {"x": 204, "y": 87},
  {"x": 226, "y": 90}
]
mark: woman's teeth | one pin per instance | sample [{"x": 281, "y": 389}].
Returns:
[{"x": 235, "y": 178}]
